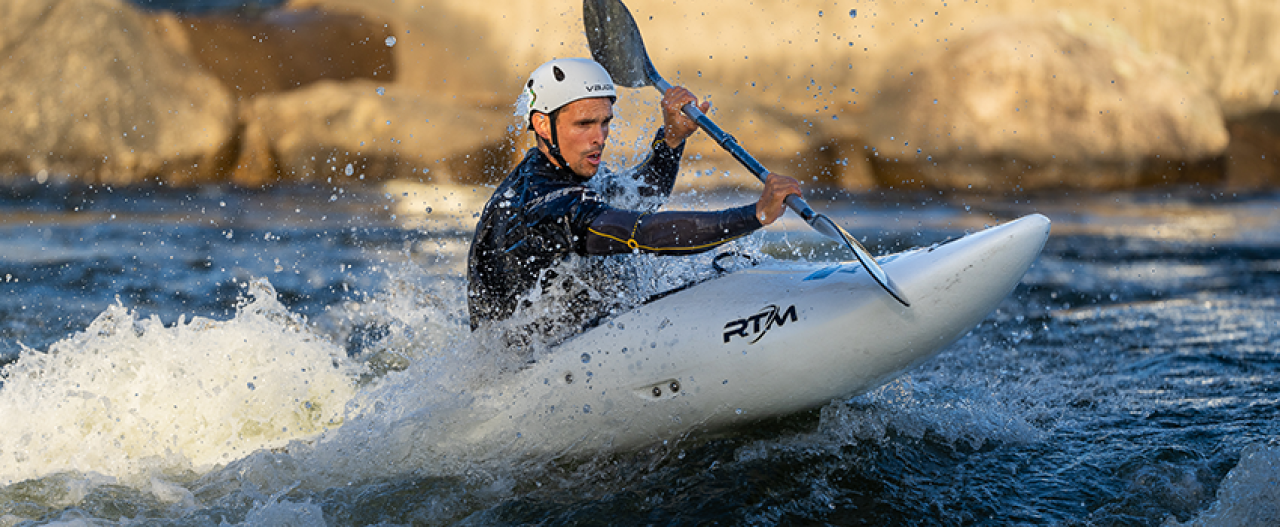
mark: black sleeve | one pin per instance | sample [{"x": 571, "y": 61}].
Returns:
[
  {"x": 618, "y": 231},
  {"x": 660, "y": 169}
]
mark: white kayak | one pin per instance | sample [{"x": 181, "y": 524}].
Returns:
[{"x": 757, "y": 343}]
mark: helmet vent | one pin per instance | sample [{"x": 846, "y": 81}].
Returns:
[{"x": 558, "y": 73}]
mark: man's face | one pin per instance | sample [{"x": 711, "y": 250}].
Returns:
[{"x": 583, "y": 130}]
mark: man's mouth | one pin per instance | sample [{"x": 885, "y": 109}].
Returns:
[{"x": 594, "y": 158}]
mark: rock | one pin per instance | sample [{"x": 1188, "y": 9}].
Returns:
[
  {"x": 91, "y": 90},
  {"x": 1230, "y": 46},
  {"x": 342, "y": 133},
  {"x": 440, "y": 49},
  {"x": 817, "y": 68},
  {"x": 1040, "y": 103},
  {"x": 285, "y": 49},
  {"x": 1253, "y": 158},
  {"x": 799, "y": 85}
]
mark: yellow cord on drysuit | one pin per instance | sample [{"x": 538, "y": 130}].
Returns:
[{"x": 633, "y": 244}]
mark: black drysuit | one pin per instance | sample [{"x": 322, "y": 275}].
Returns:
[{"x": 542, "y": 213}]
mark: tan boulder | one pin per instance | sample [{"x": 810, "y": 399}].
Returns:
[
  {"x": 285, "y": 49},
  {"x": 356, "y": 132},
  {"x": 799, "y": 83},
  {"x": 1253, "y": 158},
  {"x": 441, "y": 48},
  {"x": 91, "y": 90},
  {"x": 1040, "y": 103},
  {"x": 1231, "y": 46},
  {"x": 815, "y": 69}
]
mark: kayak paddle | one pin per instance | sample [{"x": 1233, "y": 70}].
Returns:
[{"x": 616, "y": 44}]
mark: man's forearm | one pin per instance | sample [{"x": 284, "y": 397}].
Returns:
[{"x": 674, "y": 233}]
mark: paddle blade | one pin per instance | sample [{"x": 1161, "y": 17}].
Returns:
[
  {"x": 615, "y": 43},
  {"x": 829, "y": 228}
]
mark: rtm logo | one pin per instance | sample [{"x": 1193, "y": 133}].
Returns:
[{"x": 759, "y": 323}]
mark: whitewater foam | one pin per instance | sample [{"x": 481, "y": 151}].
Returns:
[
  {"x": 129, "y": 398},
  {"x": 1250, "y": 494}
]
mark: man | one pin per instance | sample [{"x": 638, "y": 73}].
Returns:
[{"x": 544, "y": 212}]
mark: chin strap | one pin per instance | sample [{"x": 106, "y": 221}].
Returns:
[{"x": 554, "y": 146}]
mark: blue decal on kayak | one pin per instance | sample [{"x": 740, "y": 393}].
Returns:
[
  {"x": 854, "y": 267},
  {"x": 828, "y": 271}
]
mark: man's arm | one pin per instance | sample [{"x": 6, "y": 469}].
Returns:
[
  {"x": 618, "y": 231},
  {"x": 614, "y": 231},
  {"x": 659, "y": 171}
]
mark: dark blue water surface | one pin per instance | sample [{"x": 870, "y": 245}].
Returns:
[{"x": 1132, "y": 379}]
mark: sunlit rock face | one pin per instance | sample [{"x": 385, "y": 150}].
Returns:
[
  {"x": 286, "y": 49},
  {"x": 831, "y": 80},
  {"x": 825, "y": 90},
  {"x": 1040, "y": 103},
  {"x": 361, "y": 131},
  {"x": 1253, "y": 160},
  {"x": 445, "y": 50},
  {"x": 92, "y": 89}
]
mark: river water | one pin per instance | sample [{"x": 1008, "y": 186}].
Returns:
[{"x": 223, "y": 357}]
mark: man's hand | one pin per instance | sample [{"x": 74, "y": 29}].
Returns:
[
  {"x": 776, "y": 189},
  {"x": 679, "y": 126}
]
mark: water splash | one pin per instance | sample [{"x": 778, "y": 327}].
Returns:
[
  {"x": 130, "y": 398},
  {"x": 1250, "y": 494}
]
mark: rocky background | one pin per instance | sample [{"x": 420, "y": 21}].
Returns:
[{"x": 998, "y": 95}]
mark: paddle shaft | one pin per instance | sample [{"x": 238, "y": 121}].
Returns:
[
  {"x": 617, "y": 45},
  {"x": 819, "y": 222},
  {"x": 730, "y": 144}
]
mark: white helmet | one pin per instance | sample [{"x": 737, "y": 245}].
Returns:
[{"x": 562, "y": 81}]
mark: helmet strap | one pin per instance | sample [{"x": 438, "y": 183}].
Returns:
[{"x": 554, "y": 146}]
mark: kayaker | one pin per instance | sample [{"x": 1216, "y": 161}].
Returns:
[{"x": 545, "y": 211}]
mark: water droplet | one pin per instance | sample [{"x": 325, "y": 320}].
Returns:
[
  {"x": 586, "y": 358},
  {"x": 350, "y": 169},
  {"x": 381, "y": 90},
  {"x": 391, "y": 41},
  {"x": 586, "y": 408},
  {"x": 853, "y": 13}
]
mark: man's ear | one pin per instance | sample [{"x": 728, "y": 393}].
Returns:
[{"x": 542, "y": 126}]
